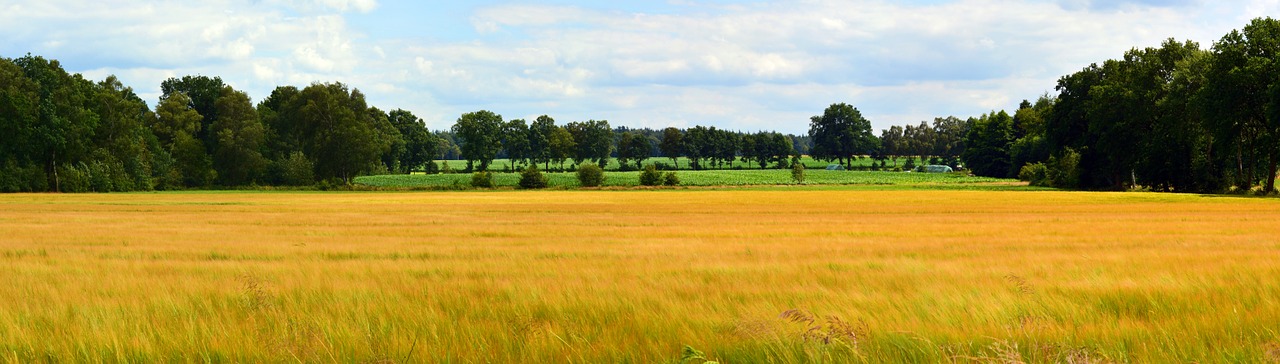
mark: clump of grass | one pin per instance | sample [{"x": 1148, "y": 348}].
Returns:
[
  {"x": 827, "y": 329},
  {"x": 1020, "y": 284}
]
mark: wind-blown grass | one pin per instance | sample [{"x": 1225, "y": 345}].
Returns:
[{"x": 766, "y": 275}]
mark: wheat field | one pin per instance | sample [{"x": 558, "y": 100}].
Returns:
[{"x": 781, "y": 275}]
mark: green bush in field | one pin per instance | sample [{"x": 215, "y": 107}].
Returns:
[
  {"x": 482, "y": 179},
  {"x": 1036, "y": 173},
  {"x": 531, "y": 178},
  {"x": 590, "y": 175},
  {"x": 797, "y": 173},
  {"x": 650, "y": 176},
  {"x": 670, "y": 179}
]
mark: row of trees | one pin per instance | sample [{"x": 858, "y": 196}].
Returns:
[
  {"x": 1172, "y": 118},
  {"x": 61, "y": 132},
  {"x": 483, "y": 136}
]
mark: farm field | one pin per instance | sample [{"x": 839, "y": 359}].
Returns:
[
  {"x": 782, "y": 274},
  {"x": 683, "y": 162},
  {"x": 744, "y": 177}
]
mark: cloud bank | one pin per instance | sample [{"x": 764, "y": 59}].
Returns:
[{"x": 744, "y": 66}]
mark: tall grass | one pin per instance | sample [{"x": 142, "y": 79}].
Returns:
[{"x": 584, "y": 276}]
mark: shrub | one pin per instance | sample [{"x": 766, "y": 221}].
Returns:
[
  {"x": 670, "y": 179},
  {"x": 590, "y": 175},
  {"x": 430, "y": 167},
  {"x": 531, "y": 178},
  {"x": 1036, "y": 173},
  {"x": 482, "y": 179},
  {"x": 1063, "y": 170},
  {"x": 650, "y": 176},
  {"x": 797, "y": 172},
  {"x": 296, "y": 170},
  {"x": 73, "y": 178},
  {"x": 910, "y": 164}
]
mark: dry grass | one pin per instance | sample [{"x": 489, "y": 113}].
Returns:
[{"x": 634, "y": 276}]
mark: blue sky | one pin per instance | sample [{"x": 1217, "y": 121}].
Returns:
[{"x": 745, "y": 65}]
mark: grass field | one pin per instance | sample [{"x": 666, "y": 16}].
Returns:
[
  {"x": 783, "y": 274},
  {"x": 694, "y": 178},
  {"x": 809, "y": 162}
]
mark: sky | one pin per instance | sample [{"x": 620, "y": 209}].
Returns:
[{"x": 739, "y": 65}]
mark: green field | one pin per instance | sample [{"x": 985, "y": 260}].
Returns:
[
  {"x": 694, "y": 178},
  {"x": 809, "y": 162}
]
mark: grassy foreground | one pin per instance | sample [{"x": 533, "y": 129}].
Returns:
[{"x": 634, "y": 276}]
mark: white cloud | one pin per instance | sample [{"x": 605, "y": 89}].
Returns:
[{"x": 763, "y": 65}]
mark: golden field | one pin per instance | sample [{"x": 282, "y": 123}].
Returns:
[{"x": 771, "y": 275}]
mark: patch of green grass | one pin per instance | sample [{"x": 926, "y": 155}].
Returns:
[{"x": 699, "y": 178}]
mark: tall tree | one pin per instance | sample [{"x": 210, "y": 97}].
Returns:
[
  {"x": 240, "y": 139},
  {"x": 176, "y": 126},
  {"x": 633, "y": 147},
  {"x": 1243, "y": 93},
  {"x": 340, "y": 134},
  {"x": 420, "y": 144},
  {"x": 594, "y": 140},
  {"x": 561, "y": 144},
  {"x": 515, "y": 140},
  {"x": 987, "y": 151},
  {"x": 540, "y": 140},
  {"x": 841, "y": 134},
  {"x": 672, "y": 145},
  {"x": 480, "y": 137},
  {"x": 202, "y": 93}
]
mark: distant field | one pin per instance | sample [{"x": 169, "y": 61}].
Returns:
[
  {"x": 500, "y": 164},
  {"x": 784, "y": 275},
  {"x": 695, "y": 178}
]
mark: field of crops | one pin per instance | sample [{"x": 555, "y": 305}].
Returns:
[
  {"x": 693, "y": 178},
  {"x": 768, "y": 275},
  {"x": 682, "y": 162}
]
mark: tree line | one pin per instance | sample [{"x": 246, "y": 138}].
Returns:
[
  {"x": 62, "y": 132},
  {"x": 1171, "y": 118}
]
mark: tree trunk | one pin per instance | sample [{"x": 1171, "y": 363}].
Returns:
[{"x": 1271, "y": 174}]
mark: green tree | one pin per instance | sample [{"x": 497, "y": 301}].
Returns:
[
  {"x": 633, "y": 147},
  {"x": 340, "y": 134},
  {"x": 841, "y": 134},
  {"x": 202, "y": 94},
  {"x": 1243, "y": 96},
  {"x": 240, "y": 139},
  {"x": 540, "y": 140},
  {"x": 672, "y": 145},
  {"x": 420, "y": 144},
  {"x": 593, "y": 140},
  {"x": 562, "y": 145},
  {"x": 479, "y": 135},
  {"x": 176, "y": 126},
  {"x": 515, "y": 140},
  {"x": 987, "y": 151}
]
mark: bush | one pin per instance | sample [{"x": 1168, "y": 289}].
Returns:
[
  {"x": 797, "y": 172},
  {"x": 1064, "y": 169},
  {"x": 532, "y": 178},
  {"x": 910, "y": 164},
  {"x": 430, "y": 167},
  {"x": 650, "y": 176},
  {"x": 590, "y": 175},
  {"x": 1036, "y": 173},
  {"x": 73, "y": 178},
  {"x": 295, "y": 170},
  {"x": 670, "y": 179},
  {"x": 482, "y": 179}
]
